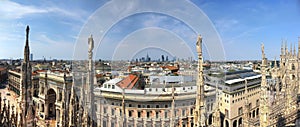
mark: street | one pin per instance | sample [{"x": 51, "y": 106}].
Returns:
[
  {"x": 10, "y": 96},
  {"x": 7, "y": 95}
]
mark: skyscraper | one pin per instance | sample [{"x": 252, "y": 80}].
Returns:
[{"x": 31, "y": 57}]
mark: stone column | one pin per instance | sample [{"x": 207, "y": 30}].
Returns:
[
  {"x": 162, "y": 118},
  {"x": 189, "y": 122},
  {"x": 264, "y": 107},
  {"x": 144, "y": 121},
  {"x": 135, "y": 122},
  {"x": 46, "y": 110},
  {"x": 58, "y": 116},
  {"x": 199, "y": 120}
]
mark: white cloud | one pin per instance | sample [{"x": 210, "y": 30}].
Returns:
[
  {"x": 224, "y": 25},
  {"x": 14, "y": 15},
  {"x": 154, "y": 20},
  {"x": 245, "y": 34},
  {"x": 78, "y": 14},
  {"x": 44, "y": 45},
  {"x": 13, "y": 10}
]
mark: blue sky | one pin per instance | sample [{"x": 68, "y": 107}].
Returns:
[{"x": 55, "y": 26}]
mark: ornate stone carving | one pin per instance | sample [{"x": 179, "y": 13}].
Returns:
[
  {"x": 199, "y": 44},
  {"x": 91, "y": 46}
]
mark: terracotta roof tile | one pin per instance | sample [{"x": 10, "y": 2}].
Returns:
[{"x": 129, "y": 82}]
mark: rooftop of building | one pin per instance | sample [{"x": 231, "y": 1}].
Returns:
[
  {"x": 2, "y": 68},
  {"x": 130, "y": 82},
  {"x": 229, "y": 75}
]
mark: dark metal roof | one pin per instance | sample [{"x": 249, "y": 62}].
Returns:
[{"x": 239, "y": 74}]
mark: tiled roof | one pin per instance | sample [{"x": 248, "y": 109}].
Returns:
[
  {"x": 171, "y": 68},
  {"x": 129, "y": 82}
]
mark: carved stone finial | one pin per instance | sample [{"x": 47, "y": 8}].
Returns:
[
  {"x": 286, "y": 49},
  {"x": 262, "y": 48},
  {"x": 91, "y": 43},
  {"x": 294, "y": 51},
  {"x": 275, "y": 63},
  {"x": 27, "y": 30},
  {"x": 199, "y": 44},
  {"x": 27, "y": 35},
  {"x": 291, "y": 48},
  {"x": 282, "y": 48}
]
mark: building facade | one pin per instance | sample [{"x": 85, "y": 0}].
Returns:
[
  {"x": 235, "y": 90},
  {"x": 14, "y": 81},
  {"x": 148, "y": 107},
  {"x": 225, "y": 99},
  {"x": 3, "y": 74}
]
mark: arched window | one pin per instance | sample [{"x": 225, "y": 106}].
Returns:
[
  {"x": 210, "y": 119},
  {"x": 226, "y": 123},
  {"x": 235, "y": 123},
  {"x": 240, "y": 121}
]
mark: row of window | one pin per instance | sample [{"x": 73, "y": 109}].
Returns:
[
  {"x": 109, "y": 86},
  {"x": 156, "y": 89},
  {"x": 113, "y": 124},
  {"x": 250, "y": 95},
  {"x": 243, "y": 92},
  {"x": 14, "y": 78},
  {"x": 209, "y": 107},
  {"x": 157, "y": 114},
  {"x": 154, "y": 106},
  {"x": 240, "y": 112}
]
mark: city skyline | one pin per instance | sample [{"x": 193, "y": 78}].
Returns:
[
  {"x": 150, "y": 63},
  {"x": 242, "y": 26}
]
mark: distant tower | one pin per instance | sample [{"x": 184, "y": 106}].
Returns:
[
  {"x": 31, "y": 57},
  {"x": 162, "y": 58},
  {"x": 147, "y": 58},
  {"x": 199, "y": 119},
  {"x": 264, "y": 105},
  {"x": 26, "y": 107}
]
